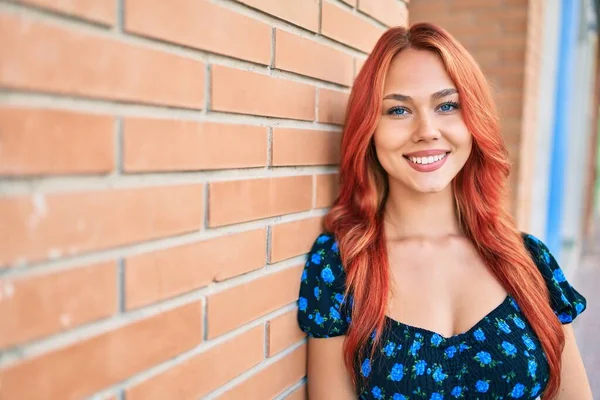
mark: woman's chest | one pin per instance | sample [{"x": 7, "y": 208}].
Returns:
[
  {"x": 446, "y": 295},
  {"x": 499, "y": 358}
]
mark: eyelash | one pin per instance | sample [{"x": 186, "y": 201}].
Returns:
[{"x": 454, "y": 104}]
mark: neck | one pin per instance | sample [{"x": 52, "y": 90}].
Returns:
[{"x": 410, "y": 214}]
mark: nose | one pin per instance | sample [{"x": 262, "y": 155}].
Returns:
[{"x": 425, "y": 129}]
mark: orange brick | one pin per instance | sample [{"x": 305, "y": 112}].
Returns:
[
  {"x": 345, "y": 27},
  {"x": 478, "y": 6},
  {"x": 418, "y": 11},
  {"x": 464, "y": 30},
  {"x": 358, "y": 64},
  {"x": 47, "y": 304},
  {"x": 162, "y": 274},
  {"x": 513, "y": 140},
  {"x": 306, "y": 57},
  {"x": 49, "y": 225},
  {"x": 85, "y": 367},
  {"x": 245, "y": 302},
  {"x": 488, "y": 59},
  {"x": 80, "y": 143},
  {"x": 509, "y": 79},
  {"x": 332, "y": 106},
  {"x": 510, "y": 69},
  {"x": 515, "y": 26},
  {"x": 176, "y": 145},
  {"x": 511, "y": 109},
  {"x": 327, "y": 190},
  {"x": 45, "y": 57},
  {"x": 245, "y": 92},
  {"x": 305, "y": 147},
  {"x": 283, "y": 332},
  {"x": 440, "y": 13},
  {"x": 503, "y": 43},
  {"x": 389, "y": 12},
  {"x": 101, "y": 11},
  {"x": 513, "y": 14},
  {"x": 205, "y": 372},
  {"x": 306, "y": 16},
  {"x": 272, "y": 380},
  {"x": 202, "y": 25},
  {"x": 511, "y": 129},
  {"x": 294, "y": 238},
  {"x": 298, "y": 394},
  {"x": 513, "y": 56},
  {"x": 239, "y": 201}
]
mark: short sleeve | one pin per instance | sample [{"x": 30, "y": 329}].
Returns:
[
  {"x": 321, "y": 305},
  {"x": 567, "y": 303}
]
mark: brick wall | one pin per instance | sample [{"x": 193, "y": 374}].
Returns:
[
  {"x": 505, "y": 37},
  {"x": 165, "y": 166}
]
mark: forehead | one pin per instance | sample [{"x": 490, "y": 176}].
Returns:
[{"x": 416, "y": 72}]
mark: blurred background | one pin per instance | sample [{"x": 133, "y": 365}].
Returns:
[{"x": 165, "y": 166}]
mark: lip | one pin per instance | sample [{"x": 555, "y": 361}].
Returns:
[
  {"x": 427, "y": 153},
  {"x": 427, "y": 167}
]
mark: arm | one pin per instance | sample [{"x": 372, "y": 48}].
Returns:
[
  {"x": 327, "y": 374},
  {"x": 574, "y": 382},
  {"x": 322, "y": 315}
]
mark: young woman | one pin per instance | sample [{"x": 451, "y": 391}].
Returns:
[{"x": 421, "y": 287}]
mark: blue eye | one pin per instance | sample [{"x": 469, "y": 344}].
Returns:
[
  {"x": 448, "y": 107},
  {"x": 399, "y": 111}
]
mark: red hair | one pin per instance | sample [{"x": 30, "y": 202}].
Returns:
[{"x": 356, "y": 216}]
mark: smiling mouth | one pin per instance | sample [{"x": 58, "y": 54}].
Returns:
[{"x": 428, "y": 159}]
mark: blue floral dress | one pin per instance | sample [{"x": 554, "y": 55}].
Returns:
[{"x": 498, "y": 358}]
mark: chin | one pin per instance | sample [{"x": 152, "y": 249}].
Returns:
[{"x": 431, "y": 187}]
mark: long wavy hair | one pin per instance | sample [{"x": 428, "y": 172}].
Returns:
[{"x": 356, "y": 217}]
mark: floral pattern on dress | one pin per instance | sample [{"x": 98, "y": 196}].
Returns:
[{"x": 500, "y": 357}]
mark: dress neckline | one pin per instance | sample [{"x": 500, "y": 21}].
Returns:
[{"x": 426, "y": 332}]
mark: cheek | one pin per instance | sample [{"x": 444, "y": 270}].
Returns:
[
  {"x": 464, "y": 147},
  {"x": 386, "y": 150},
  {"x": 468, "y": 143},
  {"x": 389, "y": 136},
  {"x": 460, "y": 137}
]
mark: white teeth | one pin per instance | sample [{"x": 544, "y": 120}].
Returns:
[{"x": 427, "y": 160}]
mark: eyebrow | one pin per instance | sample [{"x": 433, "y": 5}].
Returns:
[{"x": 437, "y": 95}]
